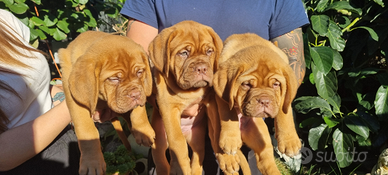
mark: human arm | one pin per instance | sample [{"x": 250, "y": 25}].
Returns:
[
  {"x": 25, "y": 141},
  {"x": 141, "y": 33},
  {"x": 292, "y": 44}
]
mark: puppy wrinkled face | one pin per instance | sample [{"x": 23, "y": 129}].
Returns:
[
  {"x": 260, "y": 96},
  {"x": 193, "y": 59},
  {"x": 122, "y": 85}
]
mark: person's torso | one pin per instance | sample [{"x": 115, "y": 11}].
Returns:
[{"x": 32, "y": 87}]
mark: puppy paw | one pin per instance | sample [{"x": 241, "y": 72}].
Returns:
[
  {"x": 230, "y": 141},
  {"x": 228, "y": 163},
  {"x": 288, "y": 144},
  {"x": 94, "y": 165},
  {"x": 144, "y": 135}
]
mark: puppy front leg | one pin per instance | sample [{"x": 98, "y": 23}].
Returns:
[
  {"x": 141, "y": 127},
  {"x": 176, "y": 140},
  {"x": 160, "y": 146},
  {"x": 227, "y": 162},
  {"x": 196, "y": 140},
  {"x": 91, "y": 161},
  {"x": 285, "y": 133},
  {"x": 256, "y": 136},
  {"x": 230, "y": 135}
]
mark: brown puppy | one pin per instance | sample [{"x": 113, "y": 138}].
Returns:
[
  {"x": 255, "y": 80},
  {"x": 184, "y": 57},
  {"x": 101, "y": 72}
]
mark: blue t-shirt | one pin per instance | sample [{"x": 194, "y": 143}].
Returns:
[{"x": 267, "y": 18}]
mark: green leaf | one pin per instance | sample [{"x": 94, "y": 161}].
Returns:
[
  {"x": 322, "y": 143},
  {"x": 323, "y": 58},
  {"x": 326, "y": 85},
  {"x": 34, "y": 43},
  {"x": 305, "y": 104},
  {"x": 342, "y": 143},
  {"x": 307, "y": 56},
  {"x": 320, "y": 24},
  {"x": 337, "y": 60},
  {"x": 92, "y": 22},
  {"x": 37, "y": 2},
  {"x": 381, "y": 103},
  {"x": 344, "y": 5},
  {"x": 63, "y": 25},
  {"x": 372, "y": 121},
  {"x": 50, "y": 20},
  {"x": 49, "y": 31},
  {"x": 113, "y": 13},
  {"x": 39, "y": 33},
  {"x": 82, "y": 29},
  {"x": 380, "y": 2},
  {"x": 314, "y": 136},
  {"x": 59, "y": 35},
  {"x": 309, "y": 122},
  {"x": 366, "y": 100},
  {"x": 357, "y": 125},
  {"x": 81, "y": 1},
  {"x": 335, "y": 102},
  {"x": 18, "y": 8},
  {"x": 321, "y": 6},
  {"x": 311, "y": 78},
  {"x": 8, "y": 2},
  {"x": 363, "y": 142},
  {"x": 37, "y": 21},
  {"x": 334, "y": 34},
  {"x": 331, "y": 122},
  {"x": 363, "y": 72},
  {"x": 33, "y": 34},
  {"x": 343, "y": 21},
  {"x": 372, "y": 33}
]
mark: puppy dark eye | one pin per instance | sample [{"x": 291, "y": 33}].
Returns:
[
  {"x": 184, "y": 54},
  {"x": 276, "y": 85},
  {"x": 140, "y": 73},
  {"x": 209, "y": 52}
]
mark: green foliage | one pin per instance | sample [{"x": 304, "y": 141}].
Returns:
[
  {"x": 59, "y": 20},
  {"x": 346, "y": 46},
  {"x": 120, "y": 161}
]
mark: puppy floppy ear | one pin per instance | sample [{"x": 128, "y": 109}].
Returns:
[
  {"x": 148, "y": 76},
  {"x": 218, "y": 47},
  {"x": 84, "y": 89},
  {"x": 224, "y": 83},
  {"x": 159, "y": 50},
  {"x": 290, "y": 89}
]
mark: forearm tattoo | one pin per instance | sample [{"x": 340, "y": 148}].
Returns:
[
  {"x": 130, "y": 22},
  {"x": 292, "y": 44}
]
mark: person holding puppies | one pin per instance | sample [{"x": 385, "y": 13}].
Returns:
[{"x": 278, "y": 21}]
